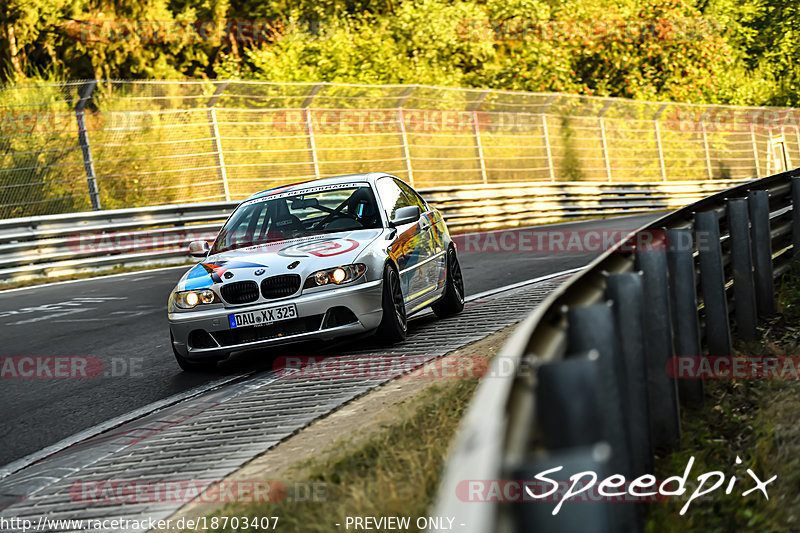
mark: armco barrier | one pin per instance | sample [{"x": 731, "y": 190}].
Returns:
[
  {"x": 52, "y": 245},
  {"x": 582, "y": 383}
]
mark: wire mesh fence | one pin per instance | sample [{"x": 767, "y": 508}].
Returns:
[{"x": 87, "y": 145}]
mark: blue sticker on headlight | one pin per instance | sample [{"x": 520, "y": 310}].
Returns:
[{"x": 232, "y": 320}]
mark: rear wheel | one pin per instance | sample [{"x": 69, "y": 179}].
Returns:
[
  {"x": 393, "y": 325},
  {"x": 188, "y": 365},
  {"x": 452, "y": 301}
]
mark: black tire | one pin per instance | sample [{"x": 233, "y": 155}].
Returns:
[
  {"x": 452, "y": 301},
  {"x": 187, "y": 365},
  {"x": 394, "y": 324}
]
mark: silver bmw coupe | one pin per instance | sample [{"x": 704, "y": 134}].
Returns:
[{"x": 316, "y": 260}]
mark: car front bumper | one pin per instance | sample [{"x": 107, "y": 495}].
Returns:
[{"x": 322, "y": 315}]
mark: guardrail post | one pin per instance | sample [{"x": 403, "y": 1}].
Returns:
[
  {"x": 625, "y": 291},
  {"x": 796, "y": 216},
  {"x": 744, "y": 291},
  {"x": 592, "y": 516},
  {"x": 683, "y": 292},
  {"x": 312, "y": 145},
  {"x": 216, "y": 142},
  {"x": 567, "y": 419},
  {"x": 762, "y": 252},
  {"x": 665, "y": 429},
  {"x": 83, "y": 138},
  {"x": 590, "y": 328},
  {"x": 712, "y": 280}
]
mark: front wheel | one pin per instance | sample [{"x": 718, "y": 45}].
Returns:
[
  {"x": 452, "y": 301},
  {"x": 188, "y": 365},
  {"x": 393, "y": 325}
]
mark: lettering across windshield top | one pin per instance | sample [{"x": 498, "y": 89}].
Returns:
[{"x": 298, "y": 192}]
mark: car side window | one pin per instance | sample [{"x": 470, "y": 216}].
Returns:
[
  {"x": 392, "y": 196},
  {"x": 412, "y": 195}
]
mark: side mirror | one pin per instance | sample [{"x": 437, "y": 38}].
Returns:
[
  {"x": 405, "y": 215},
  {"x": 198, "y": 248}
]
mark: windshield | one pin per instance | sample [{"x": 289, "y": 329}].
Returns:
[{"x": 312, "y": 211}]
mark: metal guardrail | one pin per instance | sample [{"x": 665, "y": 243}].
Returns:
[
  {"x": 588, "y": 387},
  {"x": 53, "y": 245}
]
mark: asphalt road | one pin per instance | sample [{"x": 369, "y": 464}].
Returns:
[{"x": 120, "y": 322}]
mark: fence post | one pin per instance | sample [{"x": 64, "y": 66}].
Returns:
[
  {"x": 547, "y": 148},
  {"x": 660, "y": 148},
  {"x": 787, "y": 156},
  {"x": 83, "y": 139},
  {"x": 709, "y": 173},
  {"x": 712, "y": 280},
  {"x": 762, "y": 252},
  {"x": 216, "y": 141},
  {"x": 312, "y": 145},
  {"x": 476, "y": 131},
  {"x": 605, "y": 149},
  {"x": 797, "y": 139},
  {"x": 742, "y": 266},
  {"x": 755, "y": 150},
  {"x": 796, "y": 217},
  {"x": 604, "y": 140},
  {"x": 401, "y": 121}
]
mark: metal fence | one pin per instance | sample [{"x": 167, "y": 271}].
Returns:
[
  {"x": 583, "y": 382},
  {"x": 84, "y": 145},
  {"x": 54, "y": 245}
]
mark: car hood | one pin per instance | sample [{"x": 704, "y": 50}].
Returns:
[{"x": 302, "y": 256}]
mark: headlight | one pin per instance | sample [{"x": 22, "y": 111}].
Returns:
[
  {"x": 190, "y": 299},
  {"x": 336, "y": 276}
]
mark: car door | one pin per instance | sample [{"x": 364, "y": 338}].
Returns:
[
  {"x": 412, "y": 248},
  {"x": 434, "y": 269}
]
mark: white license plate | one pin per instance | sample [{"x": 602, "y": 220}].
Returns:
[{"x": 262, "y": 317}]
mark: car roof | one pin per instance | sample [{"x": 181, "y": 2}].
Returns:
[{"x": 369, "y": 177}]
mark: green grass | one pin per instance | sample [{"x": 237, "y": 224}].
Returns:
[
  {"x": 753, "y": 419},
  {"x": 393, "y": 472}
]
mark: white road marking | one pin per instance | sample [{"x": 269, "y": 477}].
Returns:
[
  {"x": 93, "y": 431},
  {"x": 96, "y": 278},
  {"x": 58, "y": 308},
  {"x": 49, "y": 317}
]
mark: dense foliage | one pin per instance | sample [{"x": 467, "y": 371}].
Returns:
[{"x": 720, "y": 51}]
